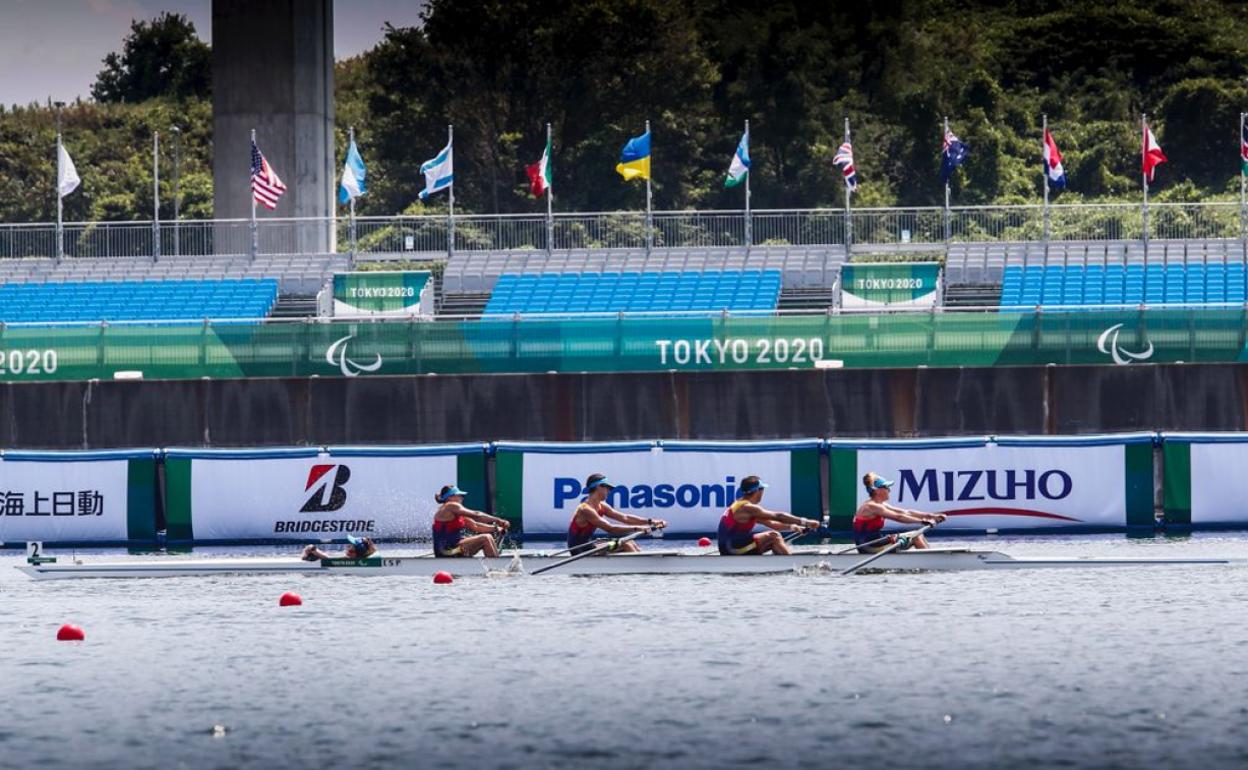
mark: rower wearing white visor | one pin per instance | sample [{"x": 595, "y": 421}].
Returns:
[
  {"x": 871, "y": 515},
  {"x": 594, "y": 514}
]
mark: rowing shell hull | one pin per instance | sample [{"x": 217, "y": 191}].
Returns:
[{"x": 645, "y": 563}]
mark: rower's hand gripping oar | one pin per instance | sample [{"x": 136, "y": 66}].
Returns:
[
  {"x": 900, "y": 542},
  {"x": 607, "y": 546}
]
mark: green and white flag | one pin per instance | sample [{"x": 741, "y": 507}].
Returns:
[{"x": 740, "y": 167}]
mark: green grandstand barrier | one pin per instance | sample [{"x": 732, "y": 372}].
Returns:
[
  {"x": 936, "y": 339},
  {"x": 896, "y": 284}
]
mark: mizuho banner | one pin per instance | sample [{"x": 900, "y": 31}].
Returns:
[
  {"x": 391, "y": 293},
  {"x": 985, "y": 485},
  {"x": 77, "y": 500},
  {"x": 690, "y": 486},
  {"x": 899, "y": 285},
  {"x": 311, "y": 497}
]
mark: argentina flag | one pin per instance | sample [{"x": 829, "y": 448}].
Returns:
[{"x": 353, "y": 174}]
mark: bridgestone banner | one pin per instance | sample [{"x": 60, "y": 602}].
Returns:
[
  {"x": 1093, "y": 483},
  {"x": 393, "y": 293},
  {"x": 309, "y": 495},
  {"x": 1206, "y": 479},
  {"x": 77, "y": 497},
  {"x": 689, "y": 484},
  {"x": 892, "y": 285}
]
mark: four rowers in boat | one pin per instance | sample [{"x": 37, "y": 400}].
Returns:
[
  {"x": 594, "y": 513},
  {"x": 871, "y": 515},
  {"x": 736, "y": 527}
]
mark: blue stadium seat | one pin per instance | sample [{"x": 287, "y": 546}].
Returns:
[
  {"x": 135, "y": 301},
  {"x": 610, "y": 291}
]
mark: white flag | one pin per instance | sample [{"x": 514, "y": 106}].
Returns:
[{"x": 67, "y": 179}]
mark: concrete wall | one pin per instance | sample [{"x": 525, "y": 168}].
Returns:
[
  {"x": 740, "y": 405},
  {"x": 273, "y": 70}
]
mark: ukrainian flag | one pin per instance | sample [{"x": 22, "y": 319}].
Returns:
[{"x": 635, "y": 159}]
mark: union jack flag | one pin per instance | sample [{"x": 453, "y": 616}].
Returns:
[
  {"x": 266, "y": 187},
  {"x": 844, "y": 160}
]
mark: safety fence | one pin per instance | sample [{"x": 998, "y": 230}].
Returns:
[
  {"x": 1033, "y": 484},
  {"x": 866, "y": 228},
  {"x": 620, "y": 343}
]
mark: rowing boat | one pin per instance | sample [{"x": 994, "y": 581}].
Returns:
[{"x": 644, "y": 563}]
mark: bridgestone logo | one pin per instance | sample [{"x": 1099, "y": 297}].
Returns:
[{"x": 323, "y": 525}]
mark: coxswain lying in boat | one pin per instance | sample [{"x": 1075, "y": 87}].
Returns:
[
  {"x": 871, "y": 515},
  {"x": 453, "y": 521},
  {"x": 593, "y": 514},
  {"x": 357, "y": 548},
  {"x": 736, "y": 527}
]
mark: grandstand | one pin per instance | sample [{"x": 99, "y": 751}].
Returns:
[
  {"x": 565, "y": 293},
  {"x": 134, "y": 301}
]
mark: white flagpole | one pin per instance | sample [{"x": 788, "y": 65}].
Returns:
[
  {"x": 1044, "y": 170},
  {"x": 649, "y": 214},
  {"x": 849, "y": 217},
  {"x": 450, "y": 215},
  {"x": 351, "y": 198},
  {"x": 1144, "y": 175},
  {"x": 948, "y": 224},
  {"x": 155, "y": 195},
  {"x": 255, "y": 234},
  {"x": 550, "y": 206},
  {"x": 60, "y": 231},
  {"x": 749, "y": 225}
]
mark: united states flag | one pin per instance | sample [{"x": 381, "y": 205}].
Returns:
[
  {"x": 844, "y": 160},
  {"x": 266, "y": 188}
]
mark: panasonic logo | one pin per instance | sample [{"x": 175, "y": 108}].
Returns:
[
  {"x": 951, "y": 486},
  {"x": 569, "y": 490}
]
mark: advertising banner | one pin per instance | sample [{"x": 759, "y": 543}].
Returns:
[
  {"x": 389, "y": 293},
  {"x": 1097, "y": 482},
  {"x": 892, "y": 285},
  {"x": 1205, "y": 483},
  {"x": 311, "y": 495},
  {"x": 689, "y": 484},
  {"x": 77, "y": 497}
]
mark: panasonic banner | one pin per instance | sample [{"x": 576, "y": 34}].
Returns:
[
  {"x": 689, "y": 484},
  {"x": 311, "y": 494},
  {"x": 78, "y": 497},
  {"x": 1089, "y": 483}
]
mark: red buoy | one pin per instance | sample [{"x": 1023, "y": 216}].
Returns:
[
  {"x": 443, "y": 578},
  {"x": 704, "y": 541},
  {"x": 290, "y": 599},
  {"x": 70, "y": 633}
]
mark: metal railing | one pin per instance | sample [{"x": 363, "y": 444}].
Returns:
[{"x": 888, "y": 228}]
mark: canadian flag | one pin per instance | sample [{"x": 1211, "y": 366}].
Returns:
[{"x": 1152, "y": 155}]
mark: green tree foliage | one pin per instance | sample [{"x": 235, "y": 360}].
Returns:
[{"x": 159, "y": 58}]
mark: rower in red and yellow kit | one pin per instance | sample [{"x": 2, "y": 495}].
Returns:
[
  {"x": 871, "y": 515},
  {"x": 736, "y": 527},
  {"x": 593, "y": 514},
  {"x": 453, "y": 519}
]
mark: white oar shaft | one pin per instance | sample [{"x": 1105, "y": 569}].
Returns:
[
  {"x": 884, "y": 552},
  {"x": 592, "y": 552}
]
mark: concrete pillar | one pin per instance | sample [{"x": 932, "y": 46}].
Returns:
[{"x": 273, "y": 70}]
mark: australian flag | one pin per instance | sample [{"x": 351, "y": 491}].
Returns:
[{"x": 953, "y": 153}]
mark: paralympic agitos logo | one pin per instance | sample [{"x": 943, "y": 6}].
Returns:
[
  {"x": 336, "y": 355},
  {"x": 327, "y": 497}
]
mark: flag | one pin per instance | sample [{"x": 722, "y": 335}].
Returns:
[
  {"x": 439, "y": 172},
  {"x": 844, "y": 160},
  {"x": 1243, "y": 146},
  {"x": 1152, "y": 155},
  {"x": 953, "y": 153},
  {"x": 353, "y": 175},
  {"x": 539, "y": 173},
  {"x": 740, "y": 166},
  {"x": 266, "y": 188},
  {"x": 67, "y": 179},
  {"x": 1053, "y": 170},
  {"x": 635, "y": 158}
]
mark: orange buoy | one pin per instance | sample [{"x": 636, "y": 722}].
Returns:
[
  {"x": 443, "y": 578},
  {"x": 704, "y": 541},
  {"x": 290, "y": 599},
  {"x": 70, "y": 633}
]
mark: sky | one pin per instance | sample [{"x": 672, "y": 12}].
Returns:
[{"x": 54, "y": 48}]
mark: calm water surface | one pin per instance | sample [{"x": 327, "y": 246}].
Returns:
[{"x": 1079, "y": 668}]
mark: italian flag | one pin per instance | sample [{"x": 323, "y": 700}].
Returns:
[{"x": 539, "y": 173}]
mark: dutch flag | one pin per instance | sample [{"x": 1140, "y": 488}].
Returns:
[{"x": 1053, "y": 171}]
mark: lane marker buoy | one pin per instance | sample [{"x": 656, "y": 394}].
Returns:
[
  {"x": 70, "y": 633},
  {"x": 290, "y": 599},
  {"x": 443, "y": 578}
]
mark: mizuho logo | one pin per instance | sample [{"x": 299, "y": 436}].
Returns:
[
  {"x": 336, "y": 357},
  {"x": 1107, "y": 343},
  {"x": 320, "y": 501}
]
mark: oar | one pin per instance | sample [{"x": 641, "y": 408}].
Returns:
[
  {"x": 884, "y": 552},
  {"x": 593, "y": 551}
]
